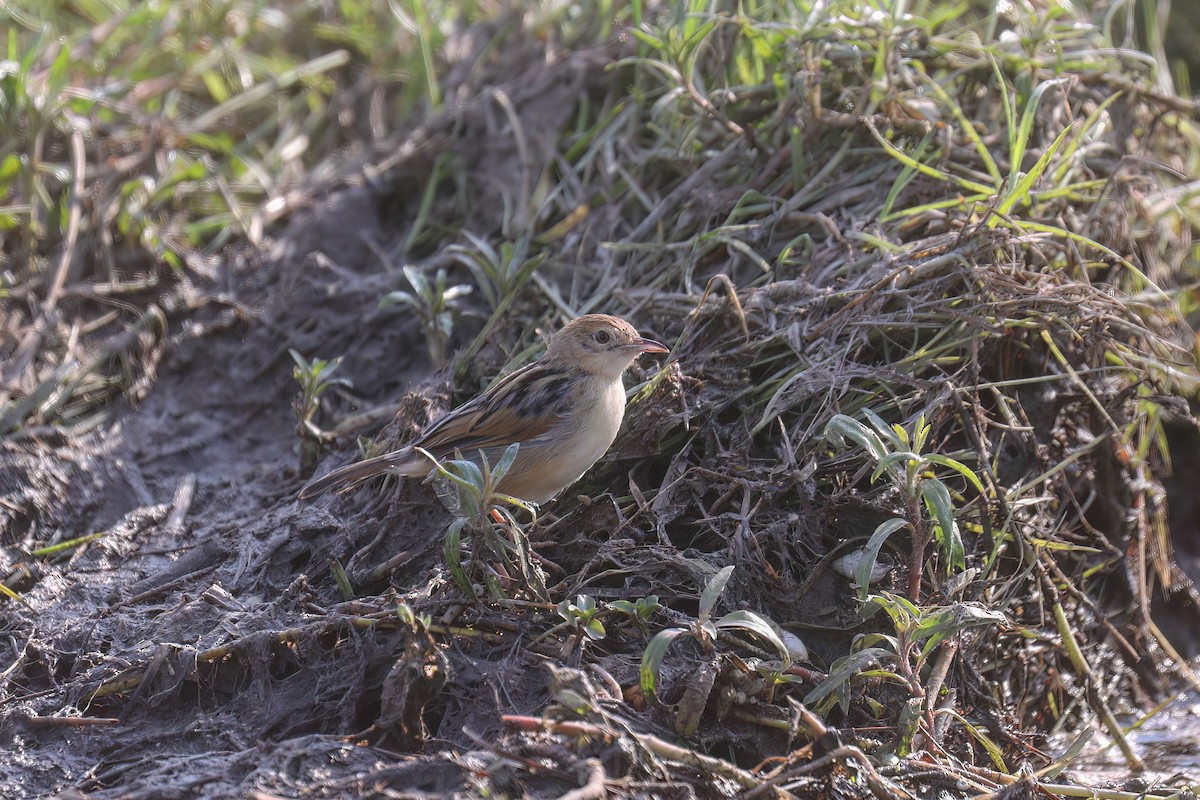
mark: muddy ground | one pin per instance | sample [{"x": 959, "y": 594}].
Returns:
[{"x": 216, "y": 430}]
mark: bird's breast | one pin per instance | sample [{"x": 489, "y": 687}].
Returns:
[
  {"x": 557, "y": 459},
  {"x": 591, "y": 437}
]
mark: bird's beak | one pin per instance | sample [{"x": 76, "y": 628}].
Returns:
[{"x": 646, "y": 346}]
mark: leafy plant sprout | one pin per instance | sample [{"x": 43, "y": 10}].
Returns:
[
  {"x": 469, "y": 491},
  {"x": 315, "y": 377},
  {"x": 582, "y": 615},
  {"x": 703, "y": 629},
  {"x": 434, "y": 301},
  {"x": 640, "y": 610},
  {"x": 898, "y": 455},
  {"x": 928, "y": 510},
  {"x": 498, "y": 273},
  {"x": 918, "y": 632}
]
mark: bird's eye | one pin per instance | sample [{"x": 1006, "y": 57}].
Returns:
[{"x": 602, "y": 337}]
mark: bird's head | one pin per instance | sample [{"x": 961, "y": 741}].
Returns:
[{"x": 600, "y": 345}]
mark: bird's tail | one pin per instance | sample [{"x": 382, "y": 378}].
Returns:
[{"x": 347, "y": 477}]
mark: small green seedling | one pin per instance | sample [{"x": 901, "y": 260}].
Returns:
[
  {"x": 497, "y": 273},
  {"x": 315, "y": 378},
  {"x": 899, "y": 456},
  {"x": 434, "y": 302},
  {"x": 704, "y": 630},
  {"x": 469, "y": 490},
  {"x": 582, "y": 616},
  {"x": 901, "y": 657},
  {"x": 640, "y": 611}
]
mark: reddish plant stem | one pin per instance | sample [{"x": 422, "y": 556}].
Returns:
[{"x": 920, "y": 539}]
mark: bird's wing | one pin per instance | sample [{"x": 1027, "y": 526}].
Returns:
[{"x": 517, "y": 408}]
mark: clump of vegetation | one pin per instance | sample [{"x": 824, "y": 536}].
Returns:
[
  {"x": 314, "y": 378},
  {"x": 434, "y": 301},
  {"x": 890, "y": 517},
  {"x": 500, "y": 545}
]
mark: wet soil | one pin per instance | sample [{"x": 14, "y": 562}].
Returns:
[{"x": 202, "y": 542}]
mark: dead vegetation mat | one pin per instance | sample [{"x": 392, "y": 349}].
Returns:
[{"x": 198, "y": 642}]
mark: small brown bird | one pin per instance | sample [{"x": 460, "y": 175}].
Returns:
[{"x": 564, "y": 409}]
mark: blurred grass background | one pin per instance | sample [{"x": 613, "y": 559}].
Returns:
[{"x": 199, "y": 120}]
